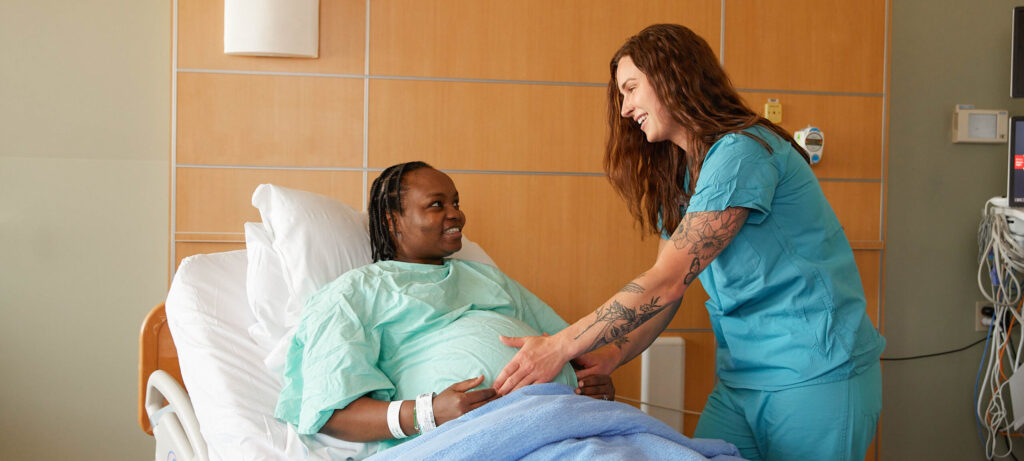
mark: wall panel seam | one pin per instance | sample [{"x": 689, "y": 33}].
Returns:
[
  {"x": 885, "y": 131},
  {"x": 366, "y": 108},
  {"x": 449, "y": 170},
  {"x": 392, "y": 77},
  {"x": 721, "y": 37},
  {"x": 377, "y": 170},
  {"x": 811, "y": 92},
  {"x": 498, "y": 81},
  {"x": 174, "y": 136},
  {"x": 210, "y": 233}
]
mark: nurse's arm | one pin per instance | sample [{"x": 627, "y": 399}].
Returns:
[
  {"x": 633, "y": 317},
  {"x": 701, "y": 236}
]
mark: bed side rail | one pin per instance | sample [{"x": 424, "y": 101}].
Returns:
[
  {"x": 174, "y": 425},
  {"x": 156, "y": 352}
]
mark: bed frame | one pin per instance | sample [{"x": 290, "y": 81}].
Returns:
[
  {"x": 165, "y": 410},
  {"x": 156, "y": 352}
]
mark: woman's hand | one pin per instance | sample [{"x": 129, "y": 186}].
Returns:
[
  {"x": 456, "y": 401},
  {"x": 601, "y": 361},
  {"x": 539, "y": 360},
  {"x": 597, "y": 386}
]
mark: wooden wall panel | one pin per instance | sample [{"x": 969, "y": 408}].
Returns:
[
  {"x": 486, "y": 126},
  {"x": 572, "y": 253},
  {"x": 692, "y": 314},
  {"x": 857, "y": 204},
  {"x": 226, "y": 119},
  {"x": 566, "y": 237},
  {"x": 567, "y": 41},
  {"x": 342, "y": 40},
  {"x": 869, "y": 265},
  {"x": 220, "y": 199},
  {"x": 699, "y": 376},
  {"x": 851, "y": 124},
  {"x": 806, "y": 45}
]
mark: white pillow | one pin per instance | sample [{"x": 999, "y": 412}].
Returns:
[
  {"x": 472, "y": 252},
  {"x": 317, "y": 238},
  {"x": 322, "y": 238},
  {"x": 270, "y": 300}
]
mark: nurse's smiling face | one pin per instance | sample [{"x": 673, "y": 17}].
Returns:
[
  {"x": 430, "y": 226},
  {"x": 640, "y": 102}
]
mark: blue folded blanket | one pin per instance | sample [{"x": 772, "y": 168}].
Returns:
[{"x": 549, "y": 421}]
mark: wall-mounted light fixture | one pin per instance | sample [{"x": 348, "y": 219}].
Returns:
[{"x": 282, "y": 28}]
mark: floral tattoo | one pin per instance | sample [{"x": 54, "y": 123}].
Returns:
[
  {"x": 618, "y": 320},
  {"x": 632, "y": 287},
  {"x": 705, "y": 234}
]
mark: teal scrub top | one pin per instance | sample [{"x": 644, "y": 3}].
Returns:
[
  {"x": 786, "y": 302},
  {"x": 395, "y": 330}
]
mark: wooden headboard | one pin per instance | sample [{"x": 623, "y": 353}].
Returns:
[{"x": 156, "y": 352}]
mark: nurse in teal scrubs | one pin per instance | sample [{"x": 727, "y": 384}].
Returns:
[{"x": 738, "y": 208}]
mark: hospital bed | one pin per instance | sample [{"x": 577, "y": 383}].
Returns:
[{"x": 208, "y": 354}]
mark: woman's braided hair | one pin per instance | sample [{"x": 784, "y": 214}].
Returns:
[{"x": 385, "y": 202}]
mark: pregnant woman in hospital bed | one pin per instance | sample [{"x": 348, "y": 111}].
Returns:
[{"x": 373, "y": 345}]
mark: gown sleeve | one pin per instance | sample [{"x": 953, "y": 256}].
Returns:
[{"x": 332, "y": 361}]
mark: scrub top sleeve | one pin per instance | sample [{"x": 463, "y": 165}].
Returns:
[
  {"x": 331, "y": 362},
  {"x": 534, "y": 311},
  {"x": 737, "y": 172}
]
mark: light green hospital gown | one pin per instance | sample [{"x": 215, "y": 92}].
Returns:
[{"x": 395, "y": 330}]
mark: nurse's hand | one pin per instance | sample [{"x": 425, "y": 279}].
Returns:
[
  {"x": 597, "y": 386},
  {"x": 456, "y": 401},
  {"x": 539, "y": 360}
]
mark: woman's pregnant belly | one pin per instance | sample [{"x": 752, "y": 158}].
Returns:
[{"x": 465, "y": 348}]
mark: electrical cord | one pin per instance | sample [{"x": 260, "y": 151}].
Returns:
[
  {"x": 977, "y": 381},
  {"x": 686, "y": 412},
  {"x": 1000, "y": 266},
  {"x": 936, "y": 354}
]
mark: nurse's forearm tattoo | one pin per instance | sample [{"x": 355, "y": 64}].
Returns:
[
  {"x": 705, "y": 234},
  {"x": 616, "y": 321},
  {"x": 632, "y": 287}
]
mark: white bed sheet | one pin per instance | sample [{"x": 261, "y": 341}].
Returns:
[{"x": 232, "y": 391}]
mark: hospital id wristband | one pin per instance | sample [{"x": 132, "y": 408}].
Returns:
[
  {"x": 415, "y": 421},
  {"x": 394, "y": 421},
  {"x": 425, "y": 412}
]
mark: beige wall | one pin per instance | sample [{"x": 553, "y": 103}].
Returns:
[
  {"x": 84, "y": 112},
  {"x": 944, "y": 53}
]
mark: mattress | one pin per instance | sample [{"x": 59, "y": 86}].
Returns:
[{"x": 232, "y": 390}]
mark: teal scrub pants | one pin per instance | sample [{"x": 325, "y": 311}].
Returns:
[{"x": 830, "y": 421}]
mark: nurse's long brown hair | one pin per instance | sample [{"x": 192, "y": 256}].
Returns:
[{"x": 694, "y": 88}]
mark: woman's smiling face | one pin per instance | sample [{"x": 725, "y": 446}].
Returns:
[{"x": 430, "y": 226}]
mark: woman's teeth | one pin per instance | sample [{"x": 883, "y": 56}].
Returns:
[
  {"x": 641, "y": 120},
  {"x": 452, "y": 230}
]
